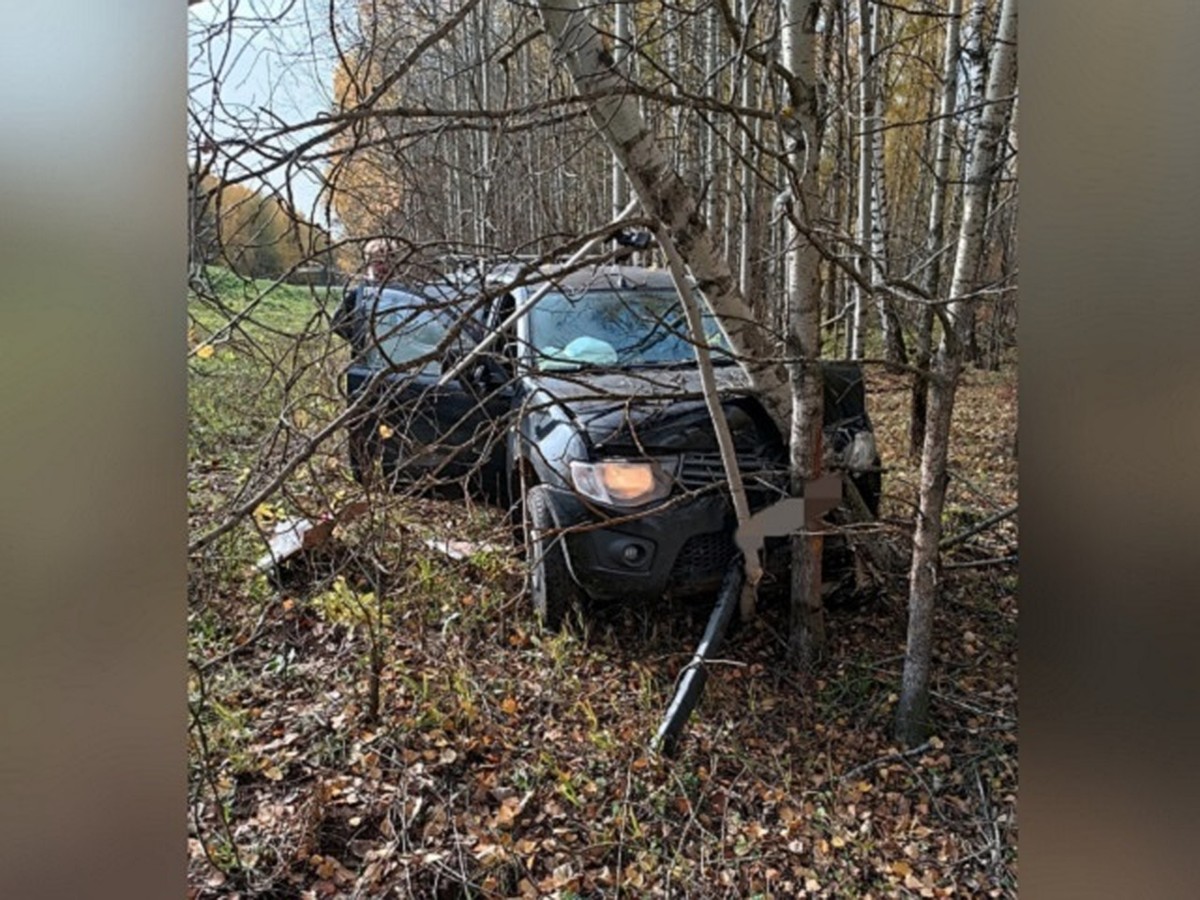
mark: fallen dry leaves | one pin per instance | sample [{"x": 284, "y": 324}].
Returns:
[{"x": 508, "y": 764}]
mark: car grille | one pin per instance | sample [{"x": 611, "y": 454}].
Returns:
[{"x": 701, "y": 470}]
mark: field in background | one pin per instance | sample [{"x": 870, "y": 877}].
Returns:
[{"x": 389, "y": 722}]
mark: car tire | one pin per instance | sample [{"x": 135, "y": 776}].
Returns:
[{"x": 555, "y": 595}]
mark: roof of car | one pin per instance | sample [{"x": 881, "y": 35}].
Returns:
[
  {"x": 616, "y": 276},
  {"x": 606, "y": 277}
]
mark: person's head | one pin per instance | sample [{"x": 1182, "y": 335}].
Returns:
[{"x": 379, "y": 255}]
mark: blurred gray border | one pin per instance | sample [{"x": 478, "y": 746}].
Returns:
[
  {"x": 92, "y": 425},
  {"x": 1110, "y": 389}
]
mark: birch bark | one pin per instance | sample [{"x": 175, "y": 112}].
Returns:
[
  {"x": 807, "y": 628},
  {"x": 943, "y": 148}
]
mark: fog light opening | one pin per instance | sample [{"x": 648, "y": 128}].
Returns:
[{"x": 633, "y": 554}]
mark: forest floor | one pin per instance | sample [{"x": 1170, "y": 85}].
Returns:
[{"x": 412, "y": 734}]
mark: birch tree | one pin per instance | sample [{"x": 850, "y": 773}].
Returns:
[
  {"x": 807, "y": 633},
  {"x": 872, "y": 208},
  {"x": 977, "y": 67},
  {"x": 866, "y": 96},
  {"x": 913, "y": 709},
  {"x": 943, "y": 147}
]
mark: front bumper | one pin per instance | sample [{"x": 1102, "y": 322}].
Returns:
[{"x": 681, "y": 546}]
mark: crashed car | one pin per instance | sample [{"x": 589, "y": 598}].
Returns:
[{"x": 585, "y": 418}]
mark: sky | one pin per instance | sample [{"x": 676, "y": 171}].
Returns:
[{"x": 273, "y": 60}]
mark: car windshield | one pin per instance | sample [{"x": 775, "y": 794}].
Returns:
[
  {"x": 616, "y": 328},
  {"x": 407, "y": 327}
]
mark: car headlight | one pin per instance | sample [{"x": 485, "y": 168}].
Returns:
[{"x": 624, "y": 482}]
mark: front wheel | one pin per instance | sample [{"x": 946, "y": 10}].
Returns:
[{"x": 555, "y": 595}]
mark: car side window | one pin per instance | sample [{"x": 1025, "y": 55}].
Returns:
[{"x": 412, "y": 332}]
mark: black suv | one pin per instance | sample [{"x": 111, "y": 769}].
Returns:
[{"x": 584, "y": 416}]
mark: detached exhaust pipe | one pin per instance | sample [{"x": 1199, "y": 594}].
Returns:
[{"x": 691, "y": 680}]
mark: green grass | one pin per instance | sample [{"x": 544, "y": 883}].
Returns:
[
  {"x": 263, "y": 368},
  {"x": 268, "y": 308}
]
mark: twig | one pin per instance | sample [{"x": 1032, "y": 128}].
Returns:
[
  {"x": 886, "y": 758},
  {"x": 976, "y": 710},
  {"x": 975, "y": 529},
  {"x": 979, "y": 563},
  {"x": 992, "y": 840}
]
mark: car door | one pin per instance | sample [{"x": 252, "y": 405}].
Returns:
[{"x": 424, "y": 429}]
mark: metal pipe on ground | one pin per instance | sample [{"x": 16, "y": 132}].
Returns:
[{"x": 691, "y": 681}]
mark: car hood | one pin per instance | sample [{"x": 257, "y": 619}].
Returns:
[{"x": 656, "y": 409}]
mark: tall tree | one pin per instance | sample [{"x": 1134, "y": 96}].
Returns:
[
  {"x": 913, "y": 709},
  {"x": 873, "y": 205},
  {"x": 807, "y": 633},
  {"x": 943, "y": 147},
  {"x": 866, "y": 100}
]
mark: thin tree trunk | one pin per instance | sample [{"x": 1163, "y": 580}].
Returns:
[
  {"x": 937, "y": 229},
  {"x": 846, "y": 168},
  {"x": 806, "y": 640},
  {"x": 866, "y": 117},
  {"x": 708, "y": 381},
  {"x": 749, "y": 234},
  {"x": 873, "y": 118},
  {"x": 912, "y": 714},
  {"x": 708, "y": 144},
  {"x": 978, "y": 71},
  {"x": 751, "y": 252},
  {"x": 621, "y": 46}
]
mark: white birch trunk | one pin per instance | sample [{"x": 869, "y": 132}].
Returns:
[
  {"x": 482, "y": 178},
  {"x": 889, "y": 321},
  {"x": 708, "y": 165},
  {"x": 943, "y": 148},
  {"x": 912, "y": 713},
  {"x": 873, "y": 156},
  {"x": 712, "y": 399},
  {"x": 749, "y": 237},
  {"x": 865, "y": 230},
  {"x": 977, "y": 56},
  {"x": 807, "y": 632},
  {"x": 623, "y": 31}
]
